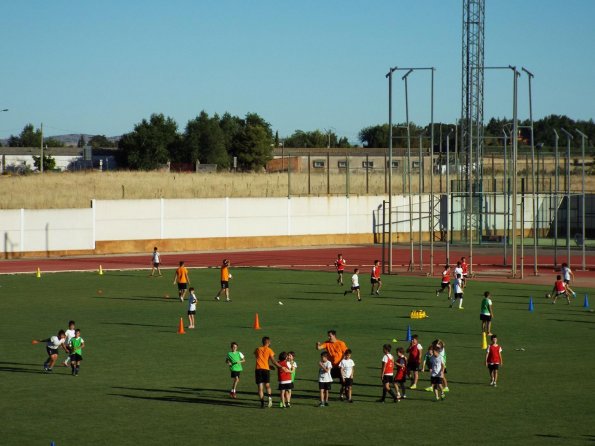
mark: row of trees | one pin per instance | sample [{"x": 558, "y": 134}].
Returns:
[{"x": 543, "y": 131}]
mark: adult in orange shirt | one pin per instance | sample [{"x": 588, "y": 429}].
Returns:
[
  {"x": 265, "y": 356},
  {"x": 181, "y": 278},
  {"x": 336, "y": 349},
  {"x": 225, "y": 277}
]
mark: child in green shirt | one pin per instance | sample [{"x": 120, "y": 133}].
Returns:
[
  {"x": 76, "y": 352},
  {"x": 234, "y": 360}
]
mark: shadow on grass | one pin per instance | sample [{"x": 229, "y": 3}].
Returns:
[
  {"x": 306, "y": 298},
  {"x": 429, "y": 331},
  {"x": 139, "y": 298},
  {"x": 335, "y": 293},
  {"x": 184, "y": 396},
  {"x": 136, "y": 325},
  {"x": 573, "y": 321},
  {"x": 12, "y": 367}
]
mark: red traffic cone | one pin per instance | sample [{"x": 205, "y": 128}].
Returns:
[{"x": 181, "y": 327}]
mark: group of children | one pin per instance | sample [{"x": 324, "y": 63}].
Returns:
[
  {"x": 562, "y": 285},
  {"x": 71, "y": 342},
  {"x": 375, "y": 280}
]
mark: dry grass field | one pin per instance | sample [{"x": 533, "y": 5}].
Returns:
[{"x": 75, "y": 190}]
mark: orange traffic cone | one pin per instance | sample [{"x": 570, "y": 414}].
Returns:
[
  {"x": 181, "y": 327},
  {"x": 256, "y": 322}
]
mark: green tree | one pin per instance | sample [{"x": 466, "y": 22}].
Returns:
[
  {"x": 204, "y": 140},
  {"x": 81, "y": 142},
  {"x": 252, "y": 145},
  {"x": 151, "y": 144},
  {"x": 49, "y": 163},
  {"x": 100, "y": 141}
]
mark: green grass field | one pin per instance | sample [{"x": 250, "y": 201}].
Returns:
[{"x": 142, "y": 383}]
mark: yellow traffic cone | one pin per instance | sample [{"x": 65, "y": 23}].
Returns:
[
  {"x": 484, "y": 341},
  {"x": 100, "y": 270},
  {"x": 38, "y": 275}
]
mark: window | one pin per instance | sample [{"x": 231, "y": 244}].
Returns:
[
  {"x": 415, "y": 164},
  {"x": 318, "y": 164},
  {"x": 395, "y": 164},
  {"x": 342, "y": 164},
  {"x": 368, "y": 164}
]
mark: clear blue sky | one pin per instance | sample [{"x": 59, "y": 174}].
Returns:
[{"x": 99, "y": 67}]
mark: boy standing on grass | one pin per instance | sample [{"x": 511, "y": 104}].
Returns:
[
  {"x": 560, "y": 289},
  {"x": 401, "y": 375},
  {"x": 292, "y": 366},
  {"x": 234, "y": 360},
  {"x": 494, "y": 360},
  {"x": 52, "y": 345},
  {"x": 225, "y": 277},
  {"x": 340, "y": 265},
  {"x": 437, "y": 373},
  {"x": 76, "y": 348},
  {"x": 465, "y": 272},
  {"x": 285, "y": 382},
  {"x": 181, "y": 278},
  {"x": 355, "y": 285},
  {"x": 486, "y": 313},
  {"x": 445, "y": 283},
  {"x": 347, "y": 367},
  {"x": 70, "y": 332},
  {"x": 375, "y": 278},
  {"x": 192, "y": 301},
  {"x": 387, "y": 369},
  {"x": 156, "y": 261},
  {"x": 324, "y": 378},
  {"x": 414, "y": 361}
]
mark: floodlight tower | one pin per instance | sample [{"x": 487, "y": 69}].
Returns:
[{"x": 471, "y": 128}]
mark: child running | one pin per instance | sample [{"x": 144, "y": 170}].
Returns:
[
  {"x": 347, "y": 370},
  {"x": 324, "y": 378},
  {"x": 340, "y": 265},
  {"x": 192, "y": 301},
  {"x": 445, "y": 283},
  {"x": 494, "y": 360},
  {"x": 387, "y": 374},
  {"x": 234, "y": 360},
  {"x": 285, "y": 382},
  {"x": 354, "y": 285},
  {"x": 70, "y": 332},
  {"x": 567, "y": 273},
  {"x": 458, "y": 292},
  {"x": 76, "y": 352},
  {"x": 375, "y": 278},
  {"x": 52, "y": 345},
  {"x": 560, "y": 289}
]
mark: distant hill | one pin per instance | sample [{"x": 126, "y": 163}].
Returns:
[{"x": 71, "y": 139}]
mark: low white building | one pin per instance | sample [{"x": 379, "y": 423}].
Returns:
[{"x": 20, "y": 159}]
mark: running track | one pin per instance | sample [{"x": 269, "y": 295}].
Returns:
[{"x": 487, "y": 261}]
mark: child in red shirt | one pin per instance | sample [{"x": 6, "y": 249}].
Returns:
[
  {"x": 285, "y": 381},
  {"x": 560, "y": 289},
  {"x": 494, "y": 359},
  {"x": 340, "y": 265}
]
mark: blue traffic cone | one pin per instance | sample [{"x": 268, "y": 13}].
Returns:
[
  {"x": 530, "y": 303},
  {"x": 409, "y": 332},
  {"x": 52, "y": 444},
  {"x": 586, "y": 301}
]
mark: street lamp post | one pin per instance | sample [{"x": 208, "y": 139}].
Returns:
[
  {"x": 448, "y": 196},
  {"x": 583, "y": 139},
  {"x": 569, "y": 138},
  {"x": 389, "y": 76}
]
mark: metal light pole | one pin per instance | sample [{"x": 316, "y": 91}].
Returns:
[
  {"x": 569, "y": 138},
  {"x": 448, "y": 196},
  {"x": 411, "y": 261},
  {"x": 583, "y": 139},
  {"x": 432, "y": 177},
  {"x": 389, "y": 76},
  {"x": 556, "y": 188},
  {"x": 506, "y": 198},
  {"x": 420, "y": 188},
  {"x": 533, "y": 194}
]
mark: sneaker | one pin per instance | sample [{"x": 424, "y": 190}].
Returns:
[
  {"x": 350, "y": 401},
  {"x": 377, "y": 293},
  {"x": 181, "y": 299},
  {"x": 65, "y": 364},
  {"x": 442, "y": 396},
  {"x": 437, "y": 398},
  {"x": 395, "y": 400},
  {"x": 49, "y": 370},
  {"x": 491, "y": 383},
  {"x": 282, "y": 406},
  {"x": 321, "y": 404},
  {"x": 359, "y": 299},
  {"x": 288, "y": 405},
  {"x": 228, "y": 300},
  {"x": 461, "y": 308},
  {"x": 262, "y": 406},
  {"x": 437, "y": 293},
  {"x": 403, "y": 397},
  {"x": 270, "y": 402},
  {"x": 341, "y": 397},
  {"x": 217, "y": 298},
  {"x": 446, "y": 390},
  {"x": 573, "y": 294},
  {"x": 495, "y": 385},
  {"x": 428, "y": 389},
  {"x": 413, "y": 387}
]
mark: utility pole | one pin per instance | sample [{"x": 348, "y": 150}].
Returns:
[{"x": 41, "y": 149}]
